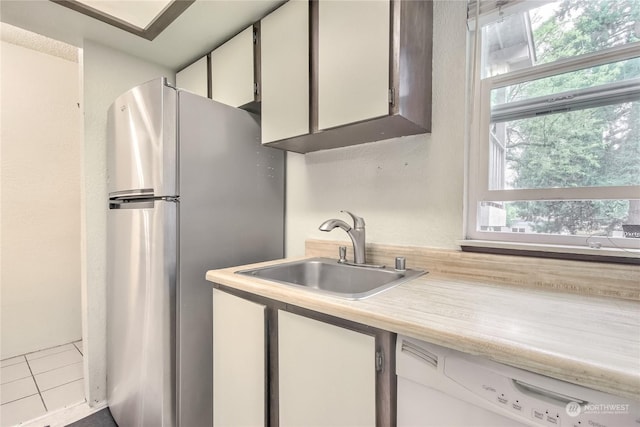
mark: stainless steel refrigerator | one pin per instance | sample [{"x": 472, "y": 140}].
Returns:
[{"x": 190, "y": 189}]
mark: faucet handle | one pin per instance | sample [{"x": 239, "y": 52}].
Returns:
[{"x": 358, "y": 222}]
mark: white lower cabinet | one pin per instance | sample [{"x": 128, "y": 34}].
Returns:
[
  {"x": 279, "y": 365},
  {"x": 327, "y": 374},
  {"x": 239, "y": 361}
]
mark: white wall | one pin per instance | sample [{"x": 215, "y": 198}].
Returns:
[
  {"x": 40, "y": 176},
  {"x": 409, "y": 190},
  {"x": 107, "y": 73}
]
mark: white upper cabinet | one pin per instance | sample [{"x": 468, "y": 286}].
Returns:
[
  {"x": 232, "y": 70},
  {"x": 353, "y": 61},
  {"x": 194, "y": 78},
  {"x": 369, "y": 73},
  {"x": 328, "y": 73},
  {"x": 284, "y": 45}
]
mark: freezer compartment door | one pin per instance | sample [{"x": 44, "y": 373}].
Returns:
[
  {"x": 141, "y": 295},
  {"x": 141, "y": 141}
]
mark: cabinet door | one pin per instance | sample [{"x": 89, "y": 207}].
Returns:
[
  {"x": 284, "y": 57},
  {"x": 353, "y": 61},
  {"x": 232, "y": 70},
  {"x": 239, "y": 357},
  {"x": 326, "y": 374},
  {"x": 194, "y": 78}
]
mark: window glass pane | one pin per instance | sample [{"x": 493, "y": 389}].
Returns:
[
  {"x": 507, "y": 45},
  {"x": 585, "y": 148},
  {"x": 613, "y": 218},
  {"x": 557, "y": 30}
]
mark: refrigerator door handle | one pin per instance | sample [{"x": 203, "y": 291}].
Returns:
[
  {"x": 132, "y": 194},
  {"x": 139, "y": 202}
]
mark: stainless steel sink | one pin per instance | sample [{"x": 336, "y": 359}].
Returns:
[{"x": 330, "y": 277}]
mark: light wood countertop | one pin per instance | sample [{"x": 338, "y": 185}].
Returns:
[{"x": 583, "y": 339}]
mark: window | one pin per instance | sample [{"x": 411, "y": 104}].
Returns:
[{"x": 554, "y": 152}]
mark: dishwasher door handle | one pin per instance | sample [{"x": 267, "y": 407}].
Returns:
[{"x": 535, "y": 391}]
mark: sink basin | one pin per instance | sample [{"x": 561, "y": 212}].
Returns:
[{"x": 330, "y": 277}]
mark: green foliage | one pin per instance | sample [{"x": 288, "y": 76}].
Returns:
[
  {"x": 591, "y": 147},
  {"x": 576, "y": 217}
]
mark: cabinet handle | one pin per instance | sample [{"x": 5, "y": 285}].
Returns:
[{"x": 379, "y": 361}]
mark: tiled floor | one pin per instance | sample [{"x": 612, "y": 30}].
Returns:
[{"x": 40, "y": 382}]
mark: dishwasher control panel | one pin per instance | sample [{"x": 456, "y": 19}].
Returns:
[
  {"x": 544, "y": 400},
  {"x": 529, "y": 398}
]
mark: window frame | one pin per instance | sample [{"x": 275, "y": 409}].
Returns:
[{"x": 478, "y": 150}]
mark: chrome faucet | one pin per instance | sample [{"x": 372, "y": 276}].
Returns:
[{"x": 356, "y": 233}]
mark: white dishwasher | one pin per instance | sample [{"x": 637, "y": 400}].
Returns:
[{"x": 441, "y": 387}]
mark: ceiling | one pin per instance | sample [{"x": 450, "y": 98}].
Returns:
[
  {"x": 138, "y": 13},
  {"x": 199, "y": 29}
]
